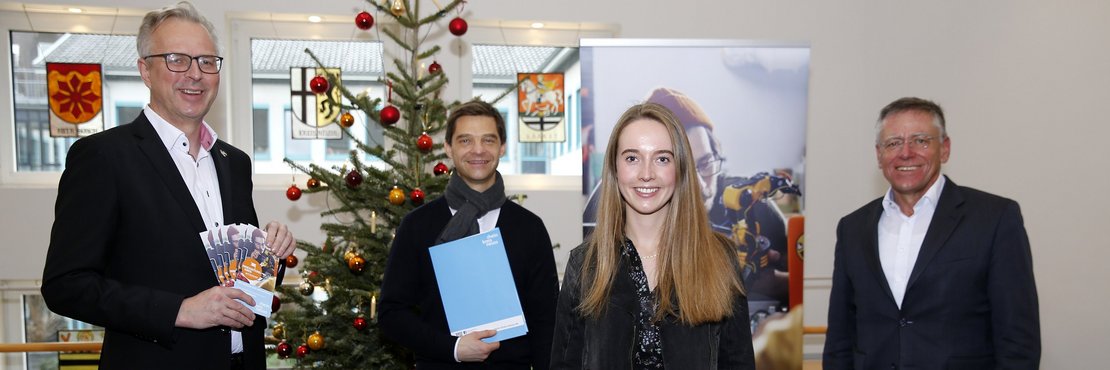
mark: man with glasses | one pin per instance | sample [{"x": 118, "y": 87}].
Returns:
[
  {"x": 165, "y": 176},
  {"x": 933, "y": 275}
]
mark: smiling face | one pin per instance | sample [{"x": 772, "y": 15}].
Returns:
[
  {"x": 180, "y": 97},
  {"x": 475, "y": 148},
  {"x": 911, "y": 169},
  {"x": 646, "y": 168}
]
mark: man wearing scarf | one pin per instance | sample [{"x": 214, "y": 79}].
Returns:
[{"x": 411, "y": 311}]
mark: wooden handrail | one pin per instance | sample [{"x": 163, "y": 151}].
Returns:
[
  {"x": 814, "y": 330},
  {"x": 95, "y": 346},
  {"x": 51, "y": 347}
]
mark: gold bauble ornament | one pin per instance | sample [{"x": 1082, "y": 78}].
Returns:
[
  {"x": 357, "y": 264},
  {"x": 307, "y": 288},
  {"x": 346, "y": 119},
  {"x": 350, "y": 254},
  {"x": 398, "y": 8},
  {"x": 396, "y": 196},
  {"x": 278, "y": 331},
  {"x": 316, "y": 341}
]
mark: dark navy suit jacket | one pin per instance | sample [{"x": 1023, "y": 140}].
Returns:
[{"x": 970, "y": 302}]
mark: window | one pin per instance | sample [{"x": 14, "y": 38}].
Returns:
[
  {"x": 261, "y": 121},
  {"x": 272, "y": 115},
  {"x": 35, "y": 150},
  {"x": 42, "y": 325},
  {"x": 276, "y": 42},
  {"x": 494, "y": 72}
]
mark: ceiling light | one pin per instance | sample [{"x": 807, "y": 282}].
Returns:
[
  {"x": 75, "y": 10},
  {"x": 314, "y": 18},
  {"x": 537, "y": 25}
]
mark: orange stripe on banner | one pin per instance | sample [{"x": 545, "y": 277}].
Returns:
[{"x": 795, "y": 243}]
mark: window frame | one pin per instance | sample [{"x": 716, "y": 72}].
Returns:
[
  {"x": 246, "y": 27},
  {"x": 46, "y": 18},
  {"x": 236, "y": 104}
]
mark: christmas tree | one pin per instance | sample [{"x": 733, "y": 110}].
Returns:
[{"x": 339, "y": 331}]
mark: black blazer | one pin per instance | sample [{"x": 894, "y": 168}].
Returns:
[
  {"x": 608, "y": 342},
  {"x": 411, "y": 311},
  {"x": 970, "y": 302},
  {"x": 125, "y": 250}
]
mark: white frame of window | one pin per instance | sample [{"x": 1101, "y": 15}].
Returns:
[
  {"x": 244, "y": 27},
  {"x": 236, "y": 80},
  {"x": 521, "y": 33},
  {"x": 247, "y": 26},
  {"x": 45, "y": 18}
]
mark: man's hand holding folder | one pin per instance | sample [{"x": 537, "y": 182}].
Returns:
[{"x": 473, "y": 349}]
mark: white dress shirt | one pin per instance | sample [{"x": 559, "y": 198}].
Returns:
[
  {"x": 200, "y": 177},
  {"x": 900, "y": 237}
]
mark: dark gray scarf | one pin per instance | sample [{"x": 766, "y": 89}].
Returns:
[{"x": 469, "y": 205}]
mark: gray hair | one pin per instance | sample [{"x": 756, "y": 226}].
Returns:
[
  {"x": 183, "y": 10},
  {"x": 912, "y": 104}
]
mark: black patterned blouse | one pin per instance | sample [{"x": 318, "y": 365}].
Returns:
[{"x": 648, "y": 351}]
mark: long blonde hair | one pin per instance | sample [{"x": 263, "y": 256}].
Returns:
[{"x": 696, "y": 265}]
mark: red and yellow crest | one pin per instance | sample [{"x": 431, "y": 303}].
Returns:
[{"x": 74, "y": 91}]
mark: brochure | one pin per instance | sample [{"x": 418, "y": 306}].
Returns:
[{"x": 477, "y": 287}]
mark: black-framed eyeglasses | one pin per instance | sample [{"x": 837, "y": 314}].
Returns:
[
  {"x": 178, "y": 62},
  {"x": 709, "y": 165}
]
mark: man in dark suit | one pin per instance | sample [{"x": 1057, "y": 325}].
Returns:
[
  {"x": 933, "y": 275},
  {"x": 162, "y": 177},
  {"x": 411, "y": 309}
]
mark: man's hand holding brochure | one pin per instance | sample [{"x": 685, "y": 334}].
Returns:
[{"x": 241, "y": 258}]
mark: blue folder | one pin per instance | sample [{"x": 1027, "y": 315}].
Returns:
[{"x": 477, "y": 288}]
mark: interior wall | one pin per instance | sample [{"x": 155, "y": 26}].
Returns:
[{"x": 1021, "y": 82}]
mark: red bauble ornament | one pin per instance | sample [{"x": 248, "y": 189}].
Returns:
[
  {"x": 457, "y": 26},
  {"x": 293, "y": 193},
  {"x": 439, "y": 169},
  {"x": 417, "y": 196},
  {"x": 318, "y": 84},
  {"x": 435, "y": 68},
  {"x": 346, "y": 119},
  {"x": 275, "y": 305},
  {"x": 357, "y": 264},
  {"x": 353, "y": 179},
  {"x": 313, "y": 277},
  {"x": 360, "y": 323},
  {"x": 313, "y": 183},
  {"x": 424, "y": 143},
  {"x": 390, "y": 115},
  {"x": 364, "y": 21},
  {"x": 302, "y": 351},
  {"x": 291, "y": 261},
  {"x": 284, "y": 349}
]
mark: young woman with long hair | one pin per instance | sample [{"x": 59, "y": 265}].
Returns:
[{"x": 653, "y": 287}]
